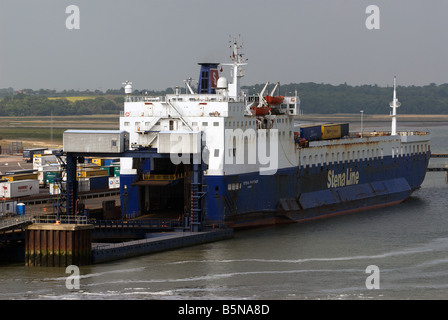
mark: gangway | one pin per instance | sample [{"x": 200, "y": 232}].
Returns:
[{"x": 15, "y": 222}]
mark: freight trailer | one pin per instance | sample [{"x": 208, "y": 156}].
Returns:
[
  {"x": 45, "y": 170},
  {"x": 114, "y": 182},
  {"x": 20, "y": 176},
  {"x": 40, "y": 160},
  {"x": 93, "y": 183},
  {"x": 311, "y": 132},
  {"x": 334, "y": 130},
  {"x": 28, "y": 154},
  {"x": 21, "y": 188}
]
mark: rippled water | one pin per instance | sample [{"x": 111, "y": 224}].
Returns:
[{"x": 324, "y": 259}]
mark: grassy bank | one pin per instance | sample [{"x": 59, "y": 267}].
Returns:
[{"x": 48, "y": 131}]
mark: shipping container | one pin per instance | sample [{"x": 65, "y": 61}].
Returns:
[
  {"x": 311, "y": 132},
  {"x": 110, "y": 162},
  {"x": 98, "y": 161},
  {"x": 93, "y": 184},
  {"x": 21, "y": 176},
  {"x": 114, "y": 182},
  {"x": 99, "y": 183},
  {"x": 40, "y": 160},
  {"x": 345, "y": 130},
  {"x": 50, "y": 176},
  {"x": 43, "y": 170},
  {"x": 10, "y": 172},
  {"x": 335, "y": 130},
  {"x": 92, "y": 173},
  {"x": 331, "y": 131},
  {"x": 21, "y": 188},
  {"x": 28, "y": 154},
  {"x": 110, "y": 141},
  {"x": 52, "y": 151},
  {"x": 111, "y": 169}
]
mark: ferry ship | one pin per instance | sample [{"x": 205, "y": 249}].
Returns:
[{"x": 258, "y": 166}]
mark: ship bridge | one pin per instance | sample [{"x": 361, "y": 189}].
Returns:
[{"x": 190, "y": 123}]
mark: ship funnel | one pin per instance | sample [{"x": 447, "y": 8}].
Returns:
[{"x": 208, "y": 78}]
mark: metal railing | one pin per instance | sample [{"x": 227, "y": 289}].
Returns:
[
  {"x": 16, "y": 221},
  {"x": 137, "y": 224},
  {"x": 163, "y": 177},
  {"x": 63, "y": 219}
]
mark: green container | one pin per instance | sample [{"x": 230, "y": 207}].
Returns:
[{"x": 51, "y": 175}]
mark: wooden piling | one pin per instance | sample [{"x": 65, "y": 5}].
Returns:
[{"x": 58, "y": 245}]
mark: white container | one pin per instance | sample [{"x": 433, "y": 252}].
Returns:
[
  {"x": 114, "y": 182},
  {"x": 54, "y": 188},
  {"x": 21, "y": 188},
  {"x": 110, "y": 141},
  {"x": 40, "y": 160}
]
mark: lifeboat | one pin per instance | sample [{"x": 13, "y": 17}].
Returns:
[
  {"x": 261, "y": 111},
  {"x": 274, "y": 101}
]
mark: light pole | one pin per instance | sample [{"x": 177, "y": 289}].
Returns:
[{"x": 362, "y": 114}]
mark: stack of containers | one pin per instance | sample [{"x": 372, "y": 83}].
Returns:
[
  {"x": 46, "y": 165},
  {"x": 94, "y": 174},
  {"x": 98, "y": 174}
]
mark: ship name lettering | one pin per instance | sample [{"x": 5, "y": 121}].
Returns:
[{"x": 347, "y": 178}]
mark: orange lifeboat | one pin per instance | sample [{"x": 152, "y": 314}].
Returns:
[
  {"x": 261, "y": 111},
  {"x": 274, "y": 101}
]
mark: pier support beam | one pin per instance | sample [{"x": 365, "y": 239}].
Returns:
[
  {"x": 71, "y": 184},
  {"x": 58, "y": 245}
]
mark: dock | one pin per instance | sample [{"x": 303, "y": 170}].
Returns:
[
  {"x": 70, "y": 240},
  {"x": 156, "y": 242}
]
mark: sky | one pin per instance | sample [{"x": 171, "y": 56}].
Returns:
[{"x": 157, "y": 44}]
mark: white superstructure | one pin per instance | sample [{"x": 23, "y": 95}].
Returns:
[{"x": 225, "y": 117}]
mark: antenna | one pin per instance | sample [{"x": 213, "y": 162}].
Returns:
[{"x": 394, "y": 105}]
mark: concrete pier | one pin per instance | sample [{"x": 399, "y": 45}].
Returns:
[
  {"x": 156, "y": 242},
  {"x": 58, "y": 245}
]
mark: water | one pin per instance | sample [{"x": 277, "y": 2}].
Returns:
[{"x": 324, "y": 259}]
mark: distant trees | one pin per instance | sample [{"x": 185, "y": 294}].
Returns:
[
  {"x": 22, "y": 105},
  {"x": 315, "y": 98},
  {"x": 326, "y": 98}
]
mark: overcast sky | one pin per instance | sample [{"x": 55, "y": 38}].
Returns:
[{"x": 157, "y": 44}]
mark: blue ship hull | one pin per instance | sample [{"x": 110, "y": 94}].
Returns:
[{"x": 306, "y": 193}]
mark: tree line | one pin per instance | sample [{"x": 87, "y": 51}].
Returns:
[
  {"x": 315, "y": 98},
  {"x": 22, "y": 105},
  {"x": 328, "y": 99}
]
